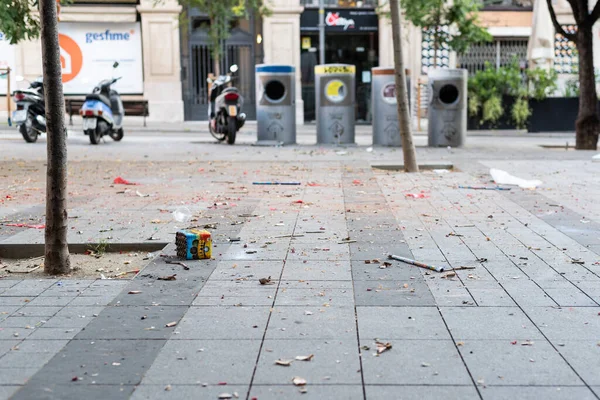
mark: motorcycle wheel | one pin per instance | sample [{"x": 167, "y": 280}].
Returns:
[
  {"x": 118, "y": 135},
  {"x": 94, "y": 135},
  {"x": 231, "y": 130},
  {"x": 26, "y": 128},
  {"x": 219, "y": 136}
]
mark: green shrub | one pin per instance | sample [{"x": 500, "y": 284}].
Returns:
[
  {"x": 521, "y": 112},
  {"x": 492, "y": 109}
]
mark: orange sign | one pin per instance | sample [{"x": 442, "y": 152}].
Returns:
[{"x": 71, "y": 58}]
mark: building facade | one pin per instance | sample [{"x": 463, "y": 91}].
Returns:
[
  {"x": 166, "y": 62},
  {"x": 142, "y": 36}
]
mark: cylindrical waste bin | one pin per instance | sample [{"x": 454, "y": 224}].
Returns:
[
  {"x": 386, "y": 129},
  {"x": 335, "y": 100},
  {"x": 447, "y": 107},
  {"x": 276, "y": 104}
]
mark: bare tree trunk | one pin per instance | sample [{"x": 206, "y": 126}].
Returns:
[
  {"x": 588, "y": 125},
  {"x": 57, "y": 250},
  {"x": 408, "y": 147},
  {"x": 216, "y": 64}
]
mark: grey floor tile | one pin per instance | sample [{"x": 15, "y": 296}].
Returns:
[
  {"x": 414, "y": 362},
  {"x": 583, "y": 356},
  {"x": 566, "y": 323},
  {"x": 315, "y": 297},
  {"x": 16, "y": 376},
  {"x": 317, "y": 270},
  {"x": 29, "y": 311},
  {"x": 313, "y": 391},
  {"x": 503, "y": 363},
  {"x": 535, "y": 393},
  {"x": 204, "y": 361},
  {"x": 429, "y": 392},
  {"x": 290, "y": 322},
  {"x": 334, "y": 362},
  {"x": 18, "y": 359},
  {"x": 62, "y": 391},
  {"x": 40, "y": 346},
  {"x": 185, "y": 392},
  {"x": 571, "y": 297},
  {"x": 7, "y": 391},
  {"x": 55, "y": 333},
  {"x": 401, "y": 323},
  {"x": 252, "y": 270},
  {"x": 507, "y": 323},
  {"x": 102, "y": 362},
  {"x": 392, "y": 293},
  {"x": 223, "y": 323},
  {"x": 526, "y": 293}
]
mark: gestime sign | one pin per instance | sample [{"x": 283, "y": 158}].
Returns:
[{"x": 89, "y": 50}]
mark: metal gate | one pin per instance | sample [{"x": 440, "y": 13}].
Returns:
[
  {"x": 238, "y": 49},
  {"x": 498, "y": 53}
]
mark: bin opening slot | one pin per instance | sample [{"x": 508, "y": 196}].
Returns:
[
  {"x": 448, "y": 94},
  {"x": 274, "y": 90}
]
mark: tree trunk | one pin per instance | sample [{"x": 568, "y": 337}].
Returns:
[
  {"x": 408, "y": 147},
  {"x": 588, "y": 124},
  {"x": 216, "y": 64},
  {"x": 57, "y": 250}
]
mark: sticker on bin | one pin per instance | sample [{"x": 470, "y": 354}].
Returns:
[
  {"x": 193, "y": 244},
  {"x": 335, "y": 69}
]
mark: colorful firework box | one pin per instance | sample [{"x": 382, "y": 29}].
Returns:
[{"x": 193, "y": 244}]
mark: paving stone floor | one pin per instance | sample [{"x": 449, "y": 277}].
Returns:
[{"x": 523, "y": 323}]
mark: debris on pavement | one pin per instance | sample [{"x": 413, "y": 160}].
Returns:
[
  {"x": 416, "y": 263},
  {"x": 504, "y": 178},
  {"x": 277, "y": 183},
  {"x": 139, "y": 194},
  {"x": 305, "y": 358},
  {"x": 284, "y": 363},
  {"x": 298, "y": 381},
  {"x": 224, "y": 396},
  {"x": 120, "y": 181},
  {"x": 383, "y": 347},
  {"x": 178, "y": 263},
  {"x": 134, "y": 292},
  {"x": 182, "y": 214},
  {"x": 266, "y": 281},
  {"x": 193, "y": 244},
  {"x": 417, "y": 195},
  {"x": 41, "y": 226},
  {"x": 171, "y": 324},
  {"x": 168, "y": 278},
  {"x": 483, "y": 187}
]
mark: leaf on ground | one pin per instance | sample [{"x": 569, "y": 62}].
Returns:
[
  {"x": 135, "y": 292},
  {"x": 305, "y": 358},
  {"x": 298, "y": 381},
  {"x": 225, "y": 396},
  {"x": 168, "y": 278},
  {"x": 283, "y": 363},
  {"x": 381, "y": 347}
]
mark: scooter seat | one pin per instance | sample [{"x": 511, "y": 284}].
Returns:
[{"x": 99, "y": 97}]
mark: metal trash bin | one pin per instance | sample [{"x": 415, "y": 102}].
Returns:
[
  {"x": 335, "y": 102},
  {"x": 447, "y": 107},
  {"x": 275, "y": 104},
  {"x": 386, "y": 128}
]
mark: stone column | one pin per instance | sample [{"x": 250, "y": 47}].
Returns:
[
  {"x": 281, "y": 42},
  {"x": 162, "y": 66}
]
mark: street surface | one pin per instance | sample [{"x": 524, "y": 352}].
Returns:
[{"x": 522, "y": 323}]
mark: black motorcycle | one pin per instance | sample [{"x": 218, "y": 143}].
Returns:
[
  {"x": 30, "y": 115},
  {"x": 225, "y": 116}
]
